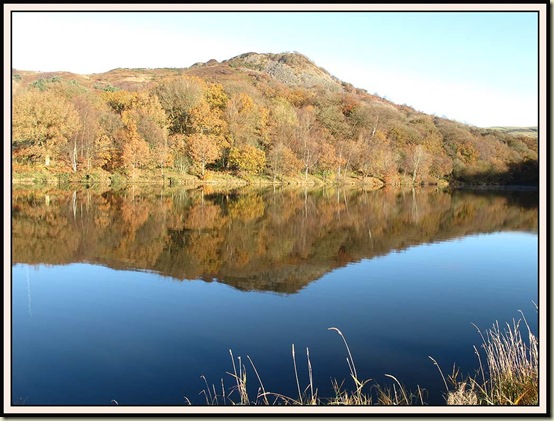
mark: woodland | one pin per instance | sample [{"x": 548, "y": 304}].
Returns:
[{"x": 255, "y": 117}]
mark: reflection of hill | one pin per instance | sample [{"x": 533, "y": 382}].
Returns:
[{"x": 263, "y": 240}]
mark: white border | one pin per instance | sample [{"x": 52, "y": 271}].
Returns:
[{"x": 197, "y": 410}]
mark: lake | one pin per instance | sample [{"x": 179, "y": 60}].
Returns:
[{"x": 136, "y": 295}]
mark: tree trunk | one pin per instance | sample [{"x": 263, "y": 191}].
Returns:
[
  {"x": 414, "y": 175},
  {"x": 74, "y": 159},
  {"x": 74, "y": 204}
]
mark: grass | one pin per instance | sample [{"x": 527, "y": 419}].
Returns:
[
  {"x": 507, "y": 375},
  {"x": 510, "y": 374},
  {"x": 41, "y": 175},
  {"x": 518, "y": 131},
  {"x": 238, "y": 393}
]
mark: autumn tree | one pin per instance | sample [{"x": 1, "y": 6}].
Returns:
[
  {"x": 207, "y": 120},
  {"x": 152, "y": 125},
  {"x": 384, "y": 161},
  {"x": 362, "y": 157},
  {"x": 437, "y": 163},
  {"x": 283, "y": 121},
  {"x": 217, "y": 97},
  {"x": 143, "y": 140},
  {"x": 42, "y": 122},
  {"x": 178, "y": 151},
  {"x": 247, "y": 123},
  {"x": 363, "y": 121},
  {"x": 441, "y": 166},
  {"x": 418, "y": 162},
  {"x": 135, "y": 152},
  {"x": 299, "y": 96},
  {"x": 82, "y": 141},
  {"x": 330, "y": 114},
  {"x": 369, "y": 119},
  {"x": 345, "y": 150},
  {"x": 460, "y": 146},
  {"x": 308, "y": 139},
  {"x": 328, "y": 160},
  {"x": 247, "y": 158},
  {"x": 245, "y": 120},
  {"x": 119, "y": 101},
  {"x": 107, "y": 147},
  {"x": 282, "y": 161},
  {"x": 206, "y": 133},
  {"x": 178, "y": 96},
  {"x": 92, "y": 145},
  {"x": 203, "y": 150},
  {"x": 402, "y": 135}
]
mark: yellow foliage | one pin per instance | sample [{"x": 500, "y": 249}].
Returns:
[
  {"x": 43, "y": 121},
  {"x": 206, "y": 120},
  {"x": 216, "y": 96},
  {"x": 247, "y": 158},
  {"x": 247, "y": 208},
  {"x": 203, "y": 149}
]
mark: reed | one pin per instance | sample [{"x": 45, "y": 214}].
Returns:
[
  {"x": 238, "y": 394},
  {"x": 510, "y": 373},
  {"x": 507, "y": 375}
]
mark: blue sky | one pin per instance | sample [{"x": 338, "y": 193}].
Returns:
[{"x": 475, "y": 67}]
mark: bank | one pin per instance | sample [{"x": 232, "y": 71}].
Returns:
[{"x": 51, "y": 177}]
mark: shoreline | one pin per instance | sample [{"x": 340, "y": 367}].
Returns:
[{"x": 231, "y": 180}]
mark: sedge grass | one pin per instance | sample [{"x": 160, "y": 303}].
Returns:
[
  {"x": 507, "y": 375},
  {"x": 238, "y": 393}
]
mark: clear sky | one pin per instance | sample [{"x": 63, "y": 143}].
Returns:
[{"x": 479, "y": 68}]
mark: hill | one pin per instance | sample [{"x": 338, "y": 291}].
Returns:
[
  {"x": 269, "y": 115},
  {"x": 519, "y": 131}
]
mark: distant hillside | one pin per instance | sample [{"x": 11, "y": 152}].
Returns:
[
  {"x": 518, "y": 131},
  {"x": 269, "y": 115}
]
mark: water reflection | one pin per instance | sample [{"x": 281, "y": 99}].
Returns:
[{"x": 253, "y": 239}]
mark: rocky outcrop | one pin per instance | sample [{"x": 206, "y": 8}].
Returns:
[{"x": 291, "y": 69}]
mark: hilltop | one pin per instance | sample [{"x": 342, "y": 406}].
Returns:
[
  {"x": 273, "y": 116},
  {"x": 291, "y": 69}
]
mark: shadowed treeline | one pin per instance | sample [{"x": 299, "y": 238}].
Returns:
[{"x": 272, "y": 239}]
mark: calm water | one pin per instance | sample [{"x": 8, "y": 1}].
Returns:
[{"x": 133, "y": 295}]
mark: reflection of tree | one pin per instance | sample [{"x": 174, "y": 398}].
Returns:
[
  {"x": 203, "y": 216},
  {"x": 40, "y": 229},
  {"x": 274, "y": 239}
]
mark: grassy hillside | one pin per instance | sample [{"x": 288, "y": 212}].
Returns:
[{"x": 518, "y": 131}]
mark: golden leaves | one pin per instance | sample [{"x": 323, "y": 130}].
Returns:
[{"x": 44, "y": 120}]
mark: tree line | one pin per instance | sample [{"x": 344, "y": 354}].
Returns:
[{"x": 185, "y": 124}]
